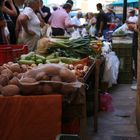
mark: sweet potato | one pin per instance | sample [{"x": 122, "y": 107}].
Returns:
[
  {"x": 15, "y": 67},
  {"x": 14, "y": 81},
  {"x": 7, "y": 72},
  {"x": 27, "y": 80},
  {"x": 67, "y": 76},
  {"x": 10, "y": 90},
  {"x": 3, "y": 80},
  {"x": 41, "y": 76}
]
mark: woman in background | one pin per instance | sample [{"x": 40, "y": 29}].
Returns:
[
  {"x": 3, "y": 39},
  {"x": 30, "y": 23},
  {"x": 11, "y": 13}
]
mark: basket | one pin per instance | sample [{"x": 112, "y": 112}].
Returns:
[{"x": 11, "y": 52}]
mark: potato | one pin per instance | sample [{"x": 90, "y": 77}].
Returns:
[
  {"x": 56, "y": 78},
  {"x": 23, "y": 68},
  {"x": 47, "y": 89},
  {"x": 52, "y": 70},
  {"x": 10, "y": 90},
  {"x": 79, "y": 66},
  {"x": 32, "y": 73},
  {"x": 20, "y": 75},
  {"x": 3, "y": 80},
  {"x": 15, "y": 67},
  {"x": 7, "y": 72},
  {"x": 27, "y": 80},
  {"x": 41, "y": 76},
  {"x": 10, "y": 63},
  {"x": 67, "y": 76},
  {"x": 14, "y": 81},
  {"x": 1, "y": 68}
]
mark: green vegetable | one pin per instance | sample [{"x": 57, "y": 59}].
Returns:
[
  {"x": 42, "y": 58},
  {"x": 38, "y": 61},
  {"x": 27, "y": 62},
  {"x": 68, "y": 60},
  {"x": 27, "y": 56},
  {"x": 68, "y": 48},
  {"x": 53, "y": 60}
]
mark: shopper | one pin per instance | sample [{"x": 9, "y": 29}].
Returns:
[
  {"x": 44, "y": 11},
  {"x": 11, "y": 13},
  {"x": 3, "y": 39},
  {"x": 60, "y": 20},
  {"x": 132, "y": 18},
  {"x": 30, "y": 24},
  {"x": 101, "y": 24},
  {"x": 134, "y": 53}
]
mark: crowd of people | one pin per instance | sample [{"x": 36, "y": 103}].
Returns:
[{"x": 25, "y": 27}]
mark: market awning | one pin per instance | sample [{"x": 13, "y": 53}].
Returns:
[{"x": 133, "y": 3}]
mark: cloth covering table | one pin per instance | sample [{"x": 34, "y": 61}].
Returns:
[{"x": 30, "y": 117}]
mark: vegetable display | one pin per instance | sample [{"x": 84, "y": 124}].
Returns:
[{"x": 76, "y": 48}]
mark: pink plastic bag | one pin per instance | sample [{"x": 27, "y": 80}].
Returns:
[{"x": 106, "y": 102}]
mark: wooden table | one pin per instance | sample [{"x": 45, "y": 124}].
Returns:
[{"x": 30, "y": 117}]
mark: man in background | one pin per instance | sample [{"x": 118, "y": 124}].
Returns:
[
  {"x": 60, "y": 20},
  {"x": 101, "y": 23}
]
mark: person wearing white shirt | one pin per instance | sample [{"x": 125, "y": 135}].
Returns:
[
  {"x": 76, "y": 19},
  {"x": 30, "y": 24},
  {"x": 132, "y": 18}
]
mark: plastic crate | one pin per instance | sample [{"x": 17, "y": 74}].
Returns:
[
  {"x": 11, "y": 52},
  {"x": 124, "y": 53}
]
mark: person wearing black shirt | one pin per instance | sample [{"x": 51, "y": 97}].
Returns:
[
  {"x": 44, "y": 12},
  {"x": 11, "y": 21},
  {"x": 101, "y": 23},
  {"x": 3, "y": 39}
]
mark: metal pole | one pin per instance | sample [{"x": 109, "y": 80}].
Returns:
[
  {"x": 138, "y": 80},
  {"x": 124, "y": 10}
]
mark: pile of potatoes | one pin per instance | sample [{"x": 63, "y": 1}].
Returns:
[
  {"x": 16, "y": 79},
  {"x": 9, "y": 75},
  {"x": 48, "y": 78}
]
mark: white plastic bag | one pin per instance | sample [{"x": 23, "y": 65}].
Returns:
[
  {"x": 111, "y": 69},
  {"x": 92, "y": 31},
  {"x": 75, "y": 35},
  {"x": 46, "y": 31},
  {"x": 106, "y": 48},
  {"x": 121, "y": 30}
]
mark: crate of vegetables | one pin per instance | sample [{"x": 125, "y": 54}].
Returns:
[{"x": 11, "y": 52}]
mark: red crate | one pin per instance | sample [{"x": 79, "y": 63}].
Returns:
[{"x": 11, "y": 52}]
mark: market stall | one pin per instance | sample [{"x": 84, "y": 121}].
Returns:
[{"x": 37, "y": 76}]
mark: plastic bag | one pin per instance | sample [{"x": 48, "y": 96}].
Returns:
[
  {"x": 92, "y": 31},
  {"x": 123, "y": 30},
  {"x": 84, "y": 32},
  {"x": 111, "y": 68},
  {"x": 49, "y": 79},
  {"x": 106, "y": 48},
  {"x": 106, "y": 102},
  {"x": 75, "y": 35},
  {"x": 46, "y": 31}
]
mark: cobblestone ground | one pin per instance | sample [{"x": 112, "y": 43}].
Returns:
[{"x": 121, "y": 123}]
